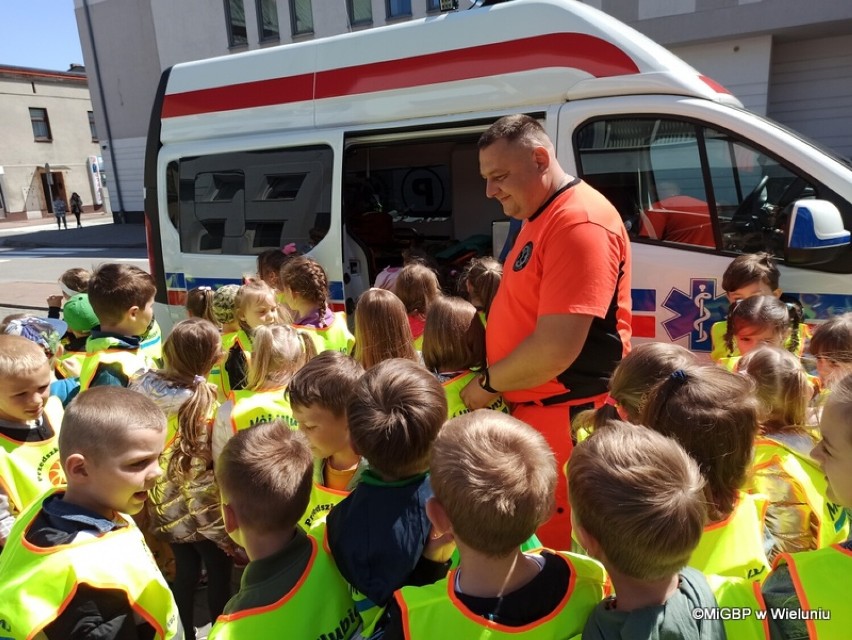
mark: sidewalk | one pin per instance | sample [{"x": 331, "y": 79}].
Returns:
[{"x": 98, "y": 231}]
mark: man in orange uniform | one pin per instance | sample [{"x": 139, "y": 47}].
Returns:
[{"x": 560, "y": 322}]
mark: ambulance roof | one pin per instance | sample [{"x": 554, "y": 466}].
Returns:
[{"x": 519, "y": 55}]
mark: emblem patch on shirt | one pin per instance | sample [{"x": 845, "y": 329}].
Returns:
[{"x": 523, "y": 257}]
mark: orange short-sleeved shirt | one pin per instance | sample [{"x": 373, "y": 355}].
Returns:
[{"x": 573, "y": 257}]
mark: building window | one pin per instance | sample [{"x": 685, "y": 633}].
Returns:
[
  {"x": 360, "y": 12},
  {"x": 433, "y": 5},
  {"x": 398, "y": 8},
  {"x": 92, "y": 126},
  {"x": 41, "y": 125},
  {"x": 267, "y": 20},
  {"x": 301, "y": 17},
  {"x": 235, "y": 16}
]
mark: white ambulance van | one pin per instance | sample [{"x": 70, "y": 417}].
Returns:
[{"x": 357, "y": 146}]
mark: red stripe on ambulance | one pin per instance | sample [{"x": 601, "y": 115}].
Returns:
[{"x": 588, "y": 53}]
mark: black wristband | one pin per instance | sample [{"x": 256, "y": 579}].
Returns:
[{"x": 485, "y": 382}]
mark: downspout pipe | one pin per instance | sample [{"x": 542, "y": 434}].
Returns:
[{"x": 117, "y": 216}]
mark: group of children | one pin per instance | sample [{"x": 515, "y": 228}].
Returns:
[{"x": 363, "y": 498}]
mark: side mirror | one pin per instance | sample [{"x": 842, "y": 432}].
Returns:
[{"x": 815, "y": 233}]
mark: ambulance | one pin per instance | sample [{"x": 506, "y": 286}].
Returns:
[{"x": 357, "y": 147}]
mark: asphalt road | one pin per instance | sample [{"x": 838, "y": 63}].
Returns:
[{"x": 32, "y": 257}]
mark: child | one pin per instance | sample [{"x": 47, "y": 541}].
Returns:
[
  {"x": 798, "y": 515},
  {"x": 81, "y": 319},
  {"x": 184, "y": 503},
  {"x": 831, "y": 345},
  {"x": 304, "y": 288},
  {"x": 713, "y": 414},
  {"x": 71, "y": 282},
  {"x": 254, "y": 306},
  {"x": 381, "y": 329},
  {"x": 816, "y": 580},
  {"x": 47, "y": 334},
  {"x": 76, "y": 565},
  {"x": 279, "y": 352},
  {"x": 480, "y": 280},
  {"x": 631, "y": 382},
  {"x": 29, "y": 426},
  {"x": 199, "y": 304},
  {"x": 761, "y": 320},
  {"x": 494, "y": 479},
  {"x": 751, "y": 274},
  {"x": 417, "y": 286},
  {"x": 224, "y": 309},
  {"x": 318, "y": 395},
  {"x": 454, "y": 349},
  {"x": 269, "y": 265},
  {"x": 637, "y": 504},
  {"x": 122, "y": 297},
  {"x": 378, "y": 534},
  {"x": 290, "y": 587}
]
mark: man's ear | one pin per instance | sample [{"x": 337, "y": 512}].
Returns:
[
  {"x": 132, "y": 312},
  {"x": 76, "y": 466},
  {"x": 438, "y": 516},
  {"x": 542, "y": 158}
]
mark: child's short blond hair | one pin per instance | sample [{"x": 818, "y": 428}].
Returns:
[
  {"x": 115, "y": 288},
  {"x": 102, "y": 420},
  {"x": 396, "y": 411},
  {"x": 495, "y": 476},
  {"x": 19, "y": 356},
  {"x": 265, "y": 474},
  {"x": 640, "y": 496}
]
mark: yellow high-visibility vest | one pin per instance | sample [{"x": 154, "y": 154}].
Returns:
[
  {"x": 734, "y": 546},
  {"x": 319, "y": 606},
  {"x": 833, "y": 523},
  {"x": 820, "y": 578},
  {"x": 28, "y": 469},
  {"x": 435, "y": 611},
  {"x": 38, "y": 582}
]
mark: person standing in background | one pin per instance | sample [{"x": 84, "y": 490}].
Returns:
[
  {"x": 77, "y": 207},
  {"x": 59, "y": 210}
]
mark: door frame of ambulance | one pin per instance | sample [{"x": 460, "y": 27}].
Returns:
[
  {"x": 676, "y": 289},
  {"x": 184, "y": 270},
  {"x": 457, "y": 126}
]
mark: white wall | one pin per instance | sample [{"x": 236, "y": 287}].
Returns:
[
  {"x": 811, "y": 90},
  {"x": 67, "y": 103},
  {"x": 742, "y": 66}
]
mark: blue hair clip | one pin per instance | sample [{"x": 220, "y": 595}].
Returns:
[{"x": 679, "y": 375}]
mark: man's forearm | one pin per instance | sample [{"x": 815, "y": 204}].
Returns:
[{"x": 543, "y": 355}]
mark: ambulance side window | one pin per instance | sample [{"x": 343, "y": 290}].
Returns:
[
  {"x": 677, "y": 182},
  {"x": 246, "y": 202}
]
